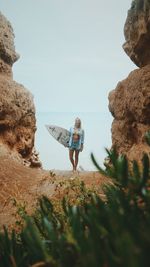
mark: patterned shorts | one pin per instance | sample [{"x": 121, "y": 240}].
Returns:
[{"x": 74, "y": 146}]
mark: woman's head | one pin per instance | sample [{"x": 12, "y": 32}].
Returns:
[{"x": 77, "y": 123}]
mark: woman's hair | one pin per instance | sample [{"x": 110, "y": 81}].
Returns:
[{"x": 77, "y": 120}]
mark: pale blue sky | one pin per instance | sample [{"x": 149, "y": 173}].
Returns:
[{"x": 71, "y": 50}]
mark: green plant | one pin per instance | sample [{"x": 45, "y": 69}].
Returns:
[
  {"x": 137, "y": 5},
  {"x": 52, "y": 174},
  {"x": 20, "y": 213},
  {"x": 147, "y": 137}
]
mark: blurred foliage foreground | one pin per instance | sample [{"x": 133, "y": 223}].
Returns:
[{"x": 96, "y": 232}]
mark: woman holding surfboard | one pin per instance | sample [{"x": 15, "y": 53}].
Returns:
[{"x": 76, "y": 142}]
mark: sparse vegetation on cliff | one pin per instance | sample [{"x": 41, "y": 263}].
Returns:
[
  {"x": 137, "y": 5},
  {"x": 140, "y": 5}
]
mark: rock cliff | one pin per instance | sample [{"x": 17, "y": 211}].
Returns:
[
  {"x": 17, "y": 110},
  {"x": 137, "y": 33},
  {"x": 129, "y": 103}
]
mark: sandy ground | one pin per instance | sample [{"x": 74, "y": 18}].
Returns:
[{"x": 21, "y": 184}]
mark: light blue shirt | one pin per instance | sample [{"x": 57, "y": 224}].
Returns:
[{"x": 80, "y": 132}]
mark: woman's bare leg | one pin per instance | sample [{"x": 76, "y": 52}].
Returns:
[
  {"x": 76, "y": 159},
  {"x": 71, "y": 152}
]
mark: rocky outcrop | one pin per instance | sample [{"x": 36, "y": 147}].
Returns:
[
  {"x": 137, "y": 33},
  {"x": 17, "y": 111},
  {"x": 129, "y": 103}
]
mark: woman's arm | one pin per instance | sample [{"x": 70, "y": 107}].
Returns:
[
  {"x": 82, "y": 137},
  {"x": 70, "y": 132},
  {"x": 82, "y": 140},
  {"x": 70, "y": 135}
]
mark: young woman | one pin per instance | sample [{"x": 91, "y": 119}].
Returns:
[{"x": 76, "y": 143}]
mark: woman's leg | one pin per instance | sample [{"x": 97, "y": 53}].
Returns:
[
  {"x": 71, "y": 152},
  {"x": 76, "y": 159}
]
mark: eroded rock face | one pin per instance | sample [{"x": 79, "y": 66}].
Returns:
[
  {"x": 17, "y": 111},
  {"x": 129, "y": 104},
  {"x": 131, "y": 98},
  {"x": 17, "y": 116},
  {"x": 137, "y": 33}
]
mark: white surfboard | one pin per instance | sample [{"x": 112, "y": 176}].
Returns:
[{"x": 60, "y": 134}]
